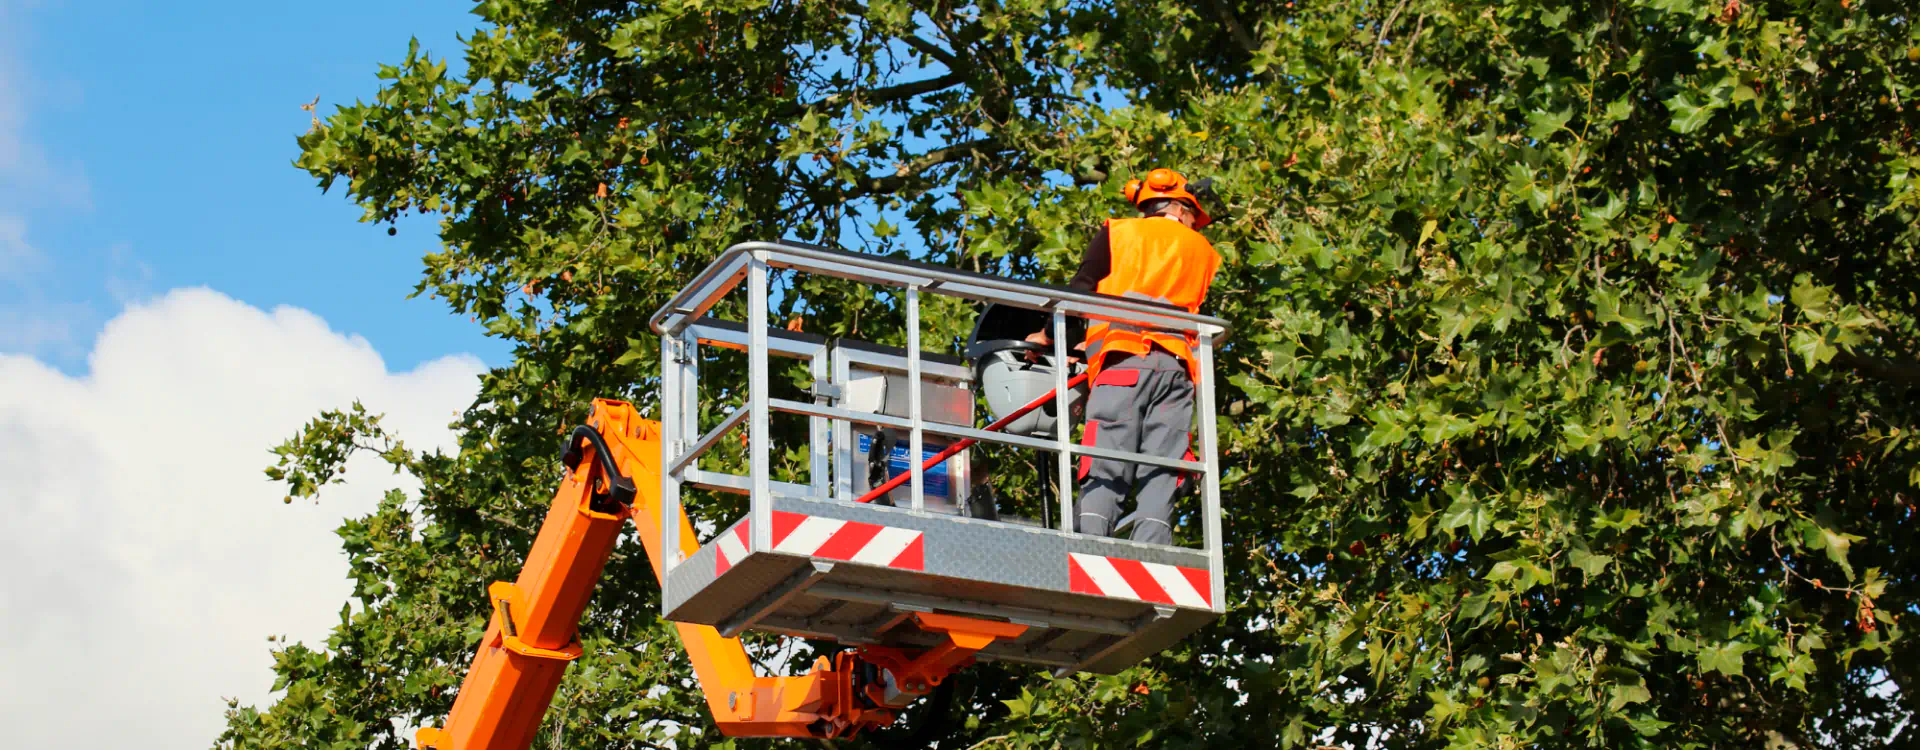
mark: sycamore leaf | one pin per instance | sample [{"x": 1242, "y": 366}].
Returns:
[
  {"x": 636, "y": 350},
  {"x": 1600, "y": 218},
  {"x": 1621, "y": 519},
  {"x": 1626, "y": 695},
  {"x": 1469, "y": 513},
  {"x": 1647, "y": 726},
  {"x": 1296, "y": 731},
  {"x": 1728, "y": 659},
  {"x": 1576, "y": 436},
  {"x": 1837, "y": 546},
  {"x": 1609, "y": 307},
  {"x": 1588, "y": 562},
  {"x": 1419, "y": 516},
  {"x": 1475, "y": 606},
  {"x": 1690, "y": 112},
  {"x": 1444, "y": 709},
  {"x": 1813, "y": 348},
  {"x": 1815, "y": 302},
  {"x": 1536, "y": 196},
  {"x": 1619, "y": 109},
  {"x": 1542, "y": 125},
  {"x": 1021, "y": 706},
  {"x": 1793, "y": 671}
]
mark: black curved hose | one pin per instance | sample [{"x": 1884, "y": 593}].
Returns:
[
  {"x": 620, "y": 490},
  {"x": 933, "y": 720},
  {"x": 936, "y": 720}
]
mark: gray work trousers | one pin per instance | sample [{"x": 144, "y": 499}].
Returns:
[{"x": 1138, "y": 405}]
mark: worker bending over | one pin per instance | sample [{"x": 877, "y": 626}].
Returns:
[{"x": 1142, "y": 399}]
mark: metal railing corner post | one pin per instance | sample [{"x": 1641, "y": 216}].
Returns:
[
  {"x": 916, "y": 444},
  {"x": 759, "y": 458},
  {"x": 1063, "y": 421},
  {"x": 670, "y": 415},
  {"x": 1210, "y": 484},
  {"x": 843, "y": 438},
  {"x": 819, "y": 431}
]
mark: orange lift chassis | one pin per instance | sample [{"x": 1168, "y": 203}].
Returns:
[{"x": 614, "y": 469}]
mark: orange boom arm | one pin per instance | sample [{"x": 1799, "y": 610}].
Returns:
[{"x": 615, "y": 475}]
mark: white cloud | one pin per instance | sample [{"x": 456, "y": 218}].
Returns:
[
  {"x": 16, "y": 256},
  {"x": 29, "y": 322},
  {"x": 39, "y": 326},
  {"x": 128, "y": 277},
  {"x": 146, "y": 555},
  {"x": 27, "y": 173},
  {"x": 30, "y": 179}
]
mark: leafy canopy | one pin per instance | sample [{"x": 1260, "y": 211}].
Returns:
[{"x": 1573, "y": 404}]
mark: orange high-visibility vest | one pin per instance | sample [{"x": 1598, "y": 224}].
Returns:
[{"x": 1153, "y": 260}]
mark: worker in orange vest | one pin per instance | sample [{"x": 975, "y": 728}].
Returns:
[{"x": 1142, "y": 398}]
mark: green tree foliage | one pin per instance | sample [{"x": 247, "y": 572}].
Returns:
[{"x": 1573, "y": 400}]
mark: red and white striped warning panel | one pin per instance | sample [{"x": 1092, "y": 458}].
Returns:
[
  {"x": 1140, "y": 581},
  {"x": 831, "y": 538},
  {"x": 732, "y": 547}
]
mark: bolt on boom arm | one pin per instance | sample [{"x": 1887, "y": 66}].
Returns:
[{"x": 614, "y": 466}]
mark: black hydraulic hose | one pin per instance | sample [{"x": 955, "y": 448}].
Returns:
[
  {"x": 936, "y": 717},
  {"x": 620, "y": 490}
]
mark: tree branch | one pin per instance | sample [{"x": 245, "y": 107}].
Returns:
[
  {"x": 950, "y": 59},
  {"x": 912, "y": 89},
  {"x": 934, "y": 51},
  {"x": 882, "y": 95},
  {"x": 1419, "y": 25},
  {"x": 1235, "y": 29},
  {"x": 1386, "y": 26},
  {"x": 1904, "y": 372},
  {"x": 909, "y": 173}
]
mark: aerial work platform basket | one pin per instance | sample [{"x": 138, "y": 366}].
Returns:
[{"x": 812, "y": 559}]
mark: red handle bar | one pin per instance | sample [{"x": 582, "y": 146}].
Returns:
[{"x": 965, "y": 443}]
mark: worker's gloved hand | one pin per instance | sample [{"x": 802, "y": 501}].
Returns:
[{"x": 1041, "y": 338}]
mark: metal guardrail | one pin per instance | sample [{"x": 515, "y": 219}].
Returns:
[
  {"x": 683, "y": 327},
  {"x": 726, "y": 272}
]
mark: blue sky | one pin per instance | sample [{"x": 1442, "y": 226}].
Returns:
[{"x": 147, "y": 146}]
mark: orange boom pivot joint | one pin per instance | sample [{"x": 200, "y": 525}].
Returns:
[{"x": 614, "y": 468}]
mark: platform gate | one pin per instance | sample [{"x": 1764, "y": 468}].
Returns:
[{"x": 807, "y": 561}]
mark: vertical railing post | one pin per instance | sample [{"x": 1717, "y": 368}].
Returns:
[
  {"x": 670, "y": 447},
  {"x": 915, "y": 444},
  {"x": 820, "y": 368},
  {"x": 686, "y": 432},
  {"x": 689, "y": 386},
  {"x": 1210, "y": 484},
  {"x": 759, "y": 460},
  {"x": 1062, "y": 420},
  {"x": 843, "y": 439}
]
